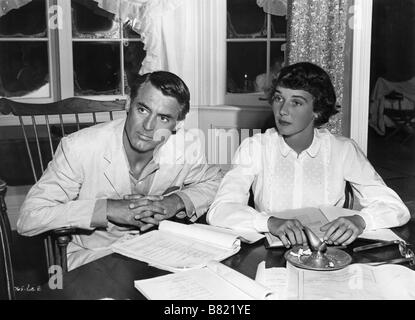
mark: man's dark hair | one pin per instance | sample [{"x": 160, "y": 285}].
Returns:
[
  {"x": 169, "y": 84},
  {"x": 313, "y": 79}
]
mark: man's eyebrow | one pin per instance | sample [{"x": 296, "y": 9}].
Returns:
[{"x": 170, "y": 116}]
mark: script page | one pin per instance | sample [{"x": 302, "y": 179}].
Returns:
[
  {"x": 240, "y": 281},
  {"x": 171, "y": 252},
  {"x": 273, "y": 278},
  {"x": 350, "y": 283},
  {"x": 197, "y": 284},
  {"x": 208, "y": 234}
]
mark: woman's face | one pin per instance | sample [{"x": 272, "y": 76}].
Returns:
[{"x": 293, "y": 111}]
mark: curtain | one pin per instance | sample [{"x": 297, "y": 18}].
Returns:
[
  {"x": 146, "y": 18},
  {"x": 7, "y": 5},
  {"x": 317, "y": 33},
  {"x": 275, "y": 7}
]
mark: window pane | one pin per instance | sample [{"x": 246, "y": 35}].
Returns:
[
  {"x": 90, "y": 21},
  {"x": 246, "y": 60},
  {"x": 24, "y": 69},
  {"x": 134, "y": 55},
  {"x": 263, "y": 83},
  {"x": 26, "y": 21},
  {"x": 96, "y": 68},
  {"x": 278, "y": 26},
  {"x": 129, "y": 32},
  {"x": 245, "y": 19}
]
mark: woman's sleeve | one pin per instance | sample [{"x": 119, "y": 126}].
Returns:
[
  {"x": 230, "y": 208},
  {"x": 382, "y": 207}
]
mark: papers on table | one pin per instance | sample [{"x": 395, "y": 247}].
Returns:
[
  {"x": 355, "y": 282},
  {"x": 177, "y": 247},
  {"x": 213, "y": 282},
  {"x": 245, "y": 236}
]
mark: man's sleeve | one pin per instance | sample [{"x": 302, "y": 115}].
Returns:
[{"x": 52, "y": 202}]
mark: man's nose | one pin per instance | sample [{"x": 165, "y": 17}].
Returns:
[{"x": 149, "y": 123}]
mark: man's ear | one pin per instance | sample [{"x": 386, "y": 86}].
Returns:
[
  {"x": 179, "y": 125},
  {"x": 127, "y": 104}
]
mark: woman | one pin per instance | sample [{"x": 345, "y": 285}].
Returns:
[{"x": 301, "y": 166}]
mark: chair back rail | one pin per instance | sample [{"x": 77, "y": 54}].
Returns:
[{"x": 28, "y": 113}]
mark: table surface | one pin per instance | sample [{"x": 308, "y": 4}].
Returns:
[{"x": 113, "y": 276}]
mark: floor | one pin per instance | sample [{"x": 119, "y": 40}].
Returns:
[{"x": 394, "y": 161}]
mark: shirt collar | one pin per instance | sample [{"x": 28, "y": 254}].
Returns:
[{"x": 312, "y": 150}]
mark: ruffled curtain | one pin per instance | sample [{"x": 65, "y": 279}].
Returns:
[
  {"x": 7, "y": 5},
  {"x": 275, "y": 7},
  {"x": 317, "y": 33},
  {"x": 146, "y": 18}
]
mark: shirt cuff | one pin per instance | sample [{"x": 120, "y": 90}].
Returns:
[
  {"x": 367, "y": 218},
  {"x": 261, "y": 222},
  {"x": 99, "y": 215},
  {"x": 189, "y": 207}
]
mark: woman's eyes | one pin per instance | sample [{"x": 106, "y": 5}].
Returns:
[{"x": 280, "y": 99}]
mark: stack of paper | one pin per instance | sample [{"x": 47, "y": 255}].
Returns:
[
  {"x": 177, "y": 247},
  {"x": 214, "y": 282},
  {"x": 355, "y": 282}
]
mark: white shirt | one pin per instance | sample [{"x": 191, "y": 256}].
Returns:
[{"x": 283, "y": 180}]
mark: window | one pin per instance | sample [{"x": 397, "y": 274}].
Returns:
[
  {"x": 90, "y": 54},
  {"x": 255, "y": 51},
  {"x": 106, "y": 53},
  {"x": 24, "y": 52}
]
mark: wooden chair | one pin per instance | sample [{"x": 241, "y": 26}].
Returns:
[
  {"x": 41, "y": 139},
  {"x": 6, "y": 267},
  {"x": 401, "y": 117},
  {"x": 348, "y": 196}
]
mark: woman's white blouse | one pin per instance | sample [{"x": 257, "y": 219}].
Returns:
[{"x": 281, "y": 180}]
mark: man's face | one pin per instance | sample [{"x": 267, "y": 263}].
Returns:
[{"x": 151, "y": 118}]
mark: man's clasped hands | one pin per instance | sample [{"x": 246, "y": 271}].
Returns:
[{"x": 143, "y": 211}]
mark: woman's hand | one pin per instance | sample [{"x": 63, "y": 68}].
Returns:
[
  {"x": 343, "y": 230},
  {"x": 290, "y": 231}
]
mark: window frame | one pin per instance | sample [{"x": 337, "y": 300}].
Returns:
[
  {"x": 253, "y": 98},
  {"x": 52, "y": 63},
  {"x": 66, "y": 55}
]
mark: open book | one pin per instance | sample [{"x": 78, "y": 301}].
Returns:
[
  {"x": 314, "y": 218},
  {"x": 177, "y": 247},
  {"x": 213, "y": 282}
]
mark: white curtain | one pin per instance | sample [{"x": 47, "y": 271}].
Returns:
[
  {"x": 275, "y": 7},
  {"x": 148, "y": 18},
  {"x": 7, "y": 5}
]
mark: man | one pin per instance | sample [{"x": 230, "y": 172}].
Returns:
[{"x": 122, "y": 176}]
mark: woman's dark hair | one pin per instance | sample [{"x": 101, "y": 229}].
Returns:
[
  {"x": 313, "y": 79},
  {"x": 169, "y": 84}
]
